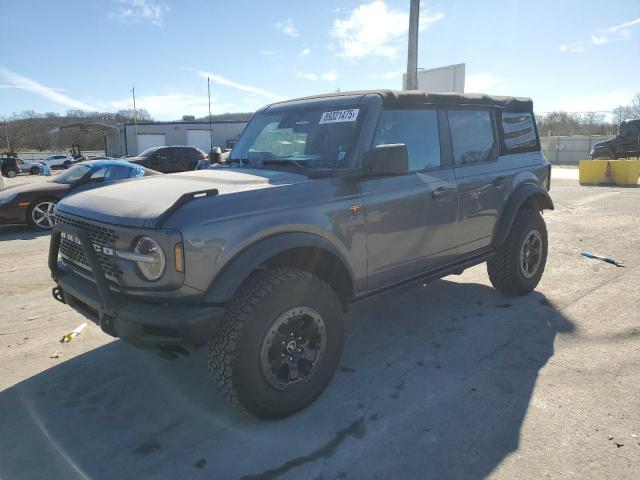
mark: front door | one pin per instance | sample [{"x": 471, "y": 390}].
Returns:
[{"x": 410, "y": 218}]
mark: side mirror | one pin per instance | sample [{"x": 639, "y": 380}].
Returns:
[{"x": 387, "y": 159}]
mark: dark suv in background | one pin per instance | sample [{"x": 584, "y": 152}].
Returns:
[
  {"x": 624, "y": 145},
  {"x": 170, "y": 159}
]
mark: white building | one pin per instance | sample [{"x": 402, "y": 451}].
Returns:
[{"x": 130, "y": 139}]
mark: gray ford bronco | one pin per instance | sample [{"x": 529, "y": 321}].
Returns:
[{"x": 323, "y": 201}]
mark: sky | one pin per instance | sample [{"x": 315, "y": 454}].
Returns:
[{"x": 572, "y": 55}]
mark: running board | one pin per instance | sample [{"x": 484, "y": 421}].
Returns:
[{"x": 450, "y": 269}]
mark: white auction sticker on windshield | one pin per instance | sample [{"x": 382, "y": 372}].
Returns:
[{"x": 340, "y": 116}]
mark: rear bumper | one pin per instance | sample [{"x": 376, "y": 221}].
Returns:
[{"x": 145, "y": 325}]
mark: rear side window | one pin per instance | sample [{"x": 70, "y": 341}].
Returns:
[
  {"x": 518, "y": 131},
  {"x": 472, "y": 136},
  {"x": 418, "y": 130}
]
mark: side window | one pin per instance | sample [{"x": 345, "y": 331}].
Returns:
[
  {"x": 471, "y": 136},
  {"x": 100, "y": 173},
  {"x": 116, "y": 172},
  {"x": 518, "y": 131},
  {"x": 163, "y": 154},
  {"x": 418, "y": 130}
]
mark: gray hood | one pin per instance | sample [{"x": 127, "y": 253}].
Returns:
[{"x": 138, "y": 203}]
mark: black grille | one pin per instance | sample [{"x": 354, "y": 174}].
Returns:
[{"x": 74, "y": 253}]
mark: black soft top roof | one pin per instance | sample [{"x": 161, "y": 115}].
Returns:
[{"x": 397, "y": 98}]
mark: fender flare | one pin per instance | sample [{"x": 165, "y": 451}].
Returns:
[
  {"x": 541, "y": 201},
  {"x": 239, "y": 267}
]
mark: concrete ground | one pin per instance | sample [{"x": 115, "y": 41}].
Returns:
[{"x": 445, "y": 380}]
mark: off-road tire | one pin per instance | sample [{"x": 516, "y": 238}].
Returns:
[
  {"x": 234, "y": 349},
  {"x": 504, "y": 268}
]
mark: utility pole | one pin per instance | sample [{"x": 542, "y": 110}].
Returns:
[
  {"x": 210, "y": 128},
  {"x": 6, "y": 132},
  {"x": 412, "y": 50},
  {"x": 135, "y": 112}
]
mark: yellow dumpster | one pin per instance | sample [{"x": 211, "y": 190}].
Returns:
[{"x": 618, "y": 172}]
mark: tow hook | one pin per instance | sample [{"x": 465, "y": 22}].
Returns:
[{"x": 58, "y": 294}]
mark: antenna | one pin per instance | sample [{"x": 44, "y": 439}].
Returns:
[
  {"x": 210, "y": 128},
  {"x": 135, "y": 112}
]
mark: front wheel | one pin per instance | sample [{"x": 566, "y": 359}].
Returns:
[
  {"x": 518, "y": 264},
  {"x": 66, "y": 164},
  {"x": 34, "y": 171},
  {"x": 41, "y": 214},
  {"x": 11, "y": 173},
  {"x": 279, "y": 344}
]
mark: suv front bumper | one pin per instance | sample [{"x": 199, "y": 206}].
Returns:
[{"x": 145, "y": 325}]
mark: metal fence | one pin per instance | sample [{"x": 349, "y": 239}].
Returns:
[
  {"x": 35, "y": 155},
  {"x": 569, "y": 150}
]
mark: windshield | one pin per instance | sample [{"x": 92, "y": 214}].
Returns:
[
  {"x": 148, "y": 152},
  {"x": 310, "y": 138},
  {"x": 72, "y": 175}
]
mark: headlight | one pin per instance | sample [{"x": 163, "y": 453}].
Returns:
[
  {"x": 10, "y": 198},
  {"x": 150, "y": 258}
]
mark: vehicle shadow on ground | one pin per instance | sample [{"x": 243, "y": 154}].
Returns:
[
  {"x": 434, "y": 382},
  {"x": 20, "y": 232}
]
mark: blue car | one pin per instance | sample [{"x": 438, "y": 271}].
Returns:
[{"x": 35, "y": 203}]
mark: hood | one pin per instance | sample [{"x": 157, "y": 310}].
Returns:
[
  {"x": 49, "y": 186},
  {"x": 138, "y": 203},
  {"x": 603, "y": 144}
]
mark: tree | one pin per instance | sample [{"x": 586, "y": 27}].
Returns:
[{"x": 129, "y": 116}]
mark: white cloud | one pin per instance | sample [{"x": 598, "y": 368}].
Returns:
[
  {"x": 287, "y": 27},
  {"x": 308, "y": 76},
  {"x": 305, "y": 52},
  {"x": 171, "y": 106},
  {"x": 486, "y": 83},
  {"x": 615, "y": 33},
  {"x": 575, "y": 47},
  {"x": 375, "y": 29},
  {"x": 138, "y": 11},
  {"x": 18, "y": 81},
  {"x": 239, "y": 86},
  {"x": 330, "y": 76}
]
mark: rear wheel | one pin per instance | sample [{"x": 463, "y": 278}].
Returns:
[
  {"x": 41, "y": 214},
  {"x": 11, "y": 173},
  {"x": 518, "y": 265},
  {"x": 280, "y": 343}
]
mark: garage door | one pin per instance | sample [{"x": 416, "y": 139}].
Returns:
[
  {"x": 200, "y": 139},
  {"x": 148, "y": 140}
]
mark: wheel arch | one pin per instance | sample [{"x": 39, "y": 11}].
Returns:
[
  {"x": 303, "y": 251},
  {"x": 528, "y": 195}
]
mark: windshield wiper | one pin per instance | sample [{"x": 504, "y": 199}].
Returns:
[
  {"x": 284, "y": 162},
  {"x": 241, "y": 161}
]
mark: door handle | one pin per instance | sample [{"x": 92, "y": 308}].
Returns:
[
  {"x": 499, "y": 181},
  {"x": 438, "y": 193}
]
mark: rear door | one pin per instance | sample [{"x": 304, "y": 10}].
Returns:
[
  {"x": 482, "y": 187},
  {"x": 410, "y": 218}
]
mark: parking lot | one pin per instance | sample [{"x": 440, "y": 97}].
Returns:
[{"x": 444, "y": 380}]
